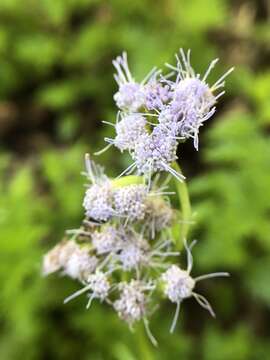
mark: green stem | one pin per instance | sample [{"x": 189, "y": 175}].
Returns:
[
  {"x": 127, "y": 180},
  {"x": 144, "y": 345},
  {"x": 186, "y": 211}
]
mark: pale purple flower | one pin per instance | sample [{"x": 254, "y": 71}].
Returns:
[
  {"x": 133, "y": 253},
  {"x": 128, "y": 129},
  {"x": 193, "y": 98},
  {"x": 73, "y": 259},
  {"x": 131, "y": 306},
  {"x": 129, "y": 201},
  {"x": 155, "y": 152},
  {"x": 130, "y": 96},
  {"x": 179, "y": 285},
  {"x": 80, "y": 264},
  {"x": 106, "y": 240},
  {"x": 98, "y": 200},
  {"x": 157, "y": 95},
  {"x": 97, "y": 284},
  {"x": 159, "y": 215}
]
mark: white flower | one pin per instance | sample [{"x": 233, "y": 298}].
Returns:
[
  {"x": 179, "y": 285},
  {"x": 107, "y": 240},
  {"x": 99, "y": 196},
  {"x": 128, "y": 131},
  {"x": 129, "y": 201},
  {"x": 80, "y": 264},
  {"x": 134, "y": 252},
  {"x": 130, "y": 97},
  {"x": 99, "y": 286},
  {"x": 193, "y": 99},
  {"x": 131, "y": 306}
]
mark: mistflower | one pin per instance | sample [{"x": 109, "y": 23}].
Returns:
[
  {"x": 98, "y": 200},
  {"x": 179, "y": 285},
  {"x": 80, "y": 265},
  {"x": 159, "y": 215},
  {"x": 130, "y": 96},
  {"x": 128, "y": 130},
  {"x": 57, "y": 258},
  {"x": 193, "y": 98},
  {"x": 129, "y": 228},
  {"x": 131, "y": 306},
  {"x": 133, "y": 252},
  {"x": 97, "y": 284},
  {"x": 156, "y": 152},
  {"x": 129, "y": 201},
  {"x": 51, "y": 261},
  {"x": 157, "y": 95},
  {"x": 106, "y": 240}
]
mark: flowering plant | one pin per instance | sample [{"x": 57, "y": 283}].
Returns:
[{"x": 126, "y": 251}]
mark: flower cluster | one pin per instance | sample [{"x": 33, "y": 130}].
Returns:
[
  {"x": 161, "y": 111},
  {"x": 125, "y": 253}
]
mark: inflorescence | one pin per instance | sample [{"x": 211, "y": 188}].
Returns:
[
  {"x": 158, "y": 113},
  {"x": 125, "y": 254}
]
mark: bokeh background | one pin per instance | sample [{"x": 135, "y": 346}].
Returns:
[{"x": 56, "y": 86}]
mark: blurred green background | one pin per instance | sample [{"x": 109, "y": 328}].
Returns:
[{"x": 56, "y": 86}]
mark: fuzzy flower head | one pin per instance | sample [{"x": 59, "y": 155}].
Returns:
[
  {"x": 133, "y": 253},
  {"x": 159, "y": 215},
  {"x": 99, "y": 285},
  {"x": 129, "y": 201},
  {"x": 129, "y": 97},
  {"x": 98, "y": 200},
  {"x": 128, "y": 130},
  {"x": 155, "y": 152},
  {"x": 72, "y": 259},
  {"x": 80, "y": 264},
  {"x": 55, "y": 259},
  {"x": 179, "y": 285},
  {"x": 106, "y": 240},
  {"x": 157, "y": 95},
  {"x": 193, "y": 100},
  {"x": 131, "y": 306}
]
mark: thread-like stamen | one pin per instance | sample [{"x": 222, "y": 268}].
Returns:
[
  {"x": 149, "y": 75},
  {"x": 210, "y": 68},
  {"x": 149, "y": 333},
  {"x": 97, "y": 153},
  {"x": 178, "y": 176},
  {"x": 132, "y": 166},
  {"x": 89, "y": 169},
  {"x": 91, "y": 298},
  {"x": 212, "y": 275},
  {"x": 222, "y": 78},
  {"x": 204, "y": 303},
  {"x": 77, "y": 293},
  {"x": 189, "y": 254},
  {"x": 175, "y": 318}
]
